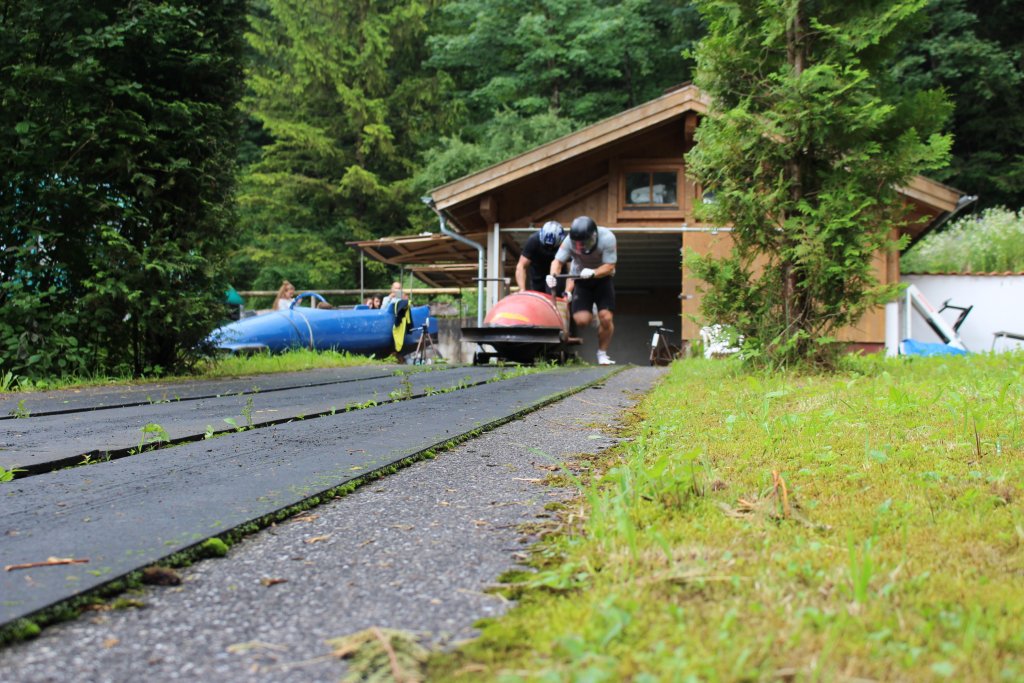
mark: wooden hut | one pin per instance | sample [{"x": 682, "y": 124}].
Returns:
[{"x": 627, "y": 172}]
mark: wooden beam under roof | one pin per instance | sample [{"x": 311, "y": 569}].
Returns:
[
  {"x": 429, "y": 248},
  {"x": 548, "y": 209},
  {"x": 447, "y": 274}
]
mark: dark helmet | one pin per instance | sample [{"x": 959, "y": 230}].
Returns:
[
  {"x": 551, "y": 235},
  {"x": 583, "y": 234}
]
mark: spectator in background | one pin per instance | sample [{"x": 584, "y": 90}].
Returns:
[
  {"x": 285, "y": 297},
  {"x": 395, "y": 295},
  {"x": 376, "y": 302}
]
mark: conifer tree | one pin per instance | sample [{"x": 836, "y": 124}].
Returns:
[
  {"x": 528, "y": 71},
  {"x": 803, "y": 148},
  {"x": 583, "y": 60},
  {"x": 975, "y": 51},
  {"x": 338, "y": 90},
  {"x": 117, "y": 151}
]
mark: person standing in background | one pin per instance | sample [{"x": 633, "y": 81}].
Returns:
[
  {"x": 395, "y": 295},
  {"x": 284, "y": 298}
]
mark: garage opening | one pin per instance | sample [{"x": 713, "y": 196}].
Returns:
[{"x": 648, "y": 287}]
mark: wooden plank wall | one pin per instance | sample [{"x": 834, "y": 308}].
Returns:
[
  {"x": 870, "y": 329},
  {"x": 718, "y": 245}
]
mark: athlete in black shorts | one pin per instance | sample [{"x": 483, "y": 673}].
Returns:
[{"x": 593, "y": 253}]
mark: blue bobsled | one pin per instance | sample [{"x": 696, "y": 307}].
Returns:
[{"x": 366, "y": 331}]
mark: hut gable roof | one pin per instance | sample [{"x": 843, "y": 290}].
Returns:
[
  {"x": 929, "y": 199},
  {"x": 630, "y": 122}
]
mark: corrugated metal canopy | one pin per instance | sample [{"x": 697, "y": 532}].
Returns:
[
  {"x": 423, "y": 248},
  {"x": 436, "y": 259}
]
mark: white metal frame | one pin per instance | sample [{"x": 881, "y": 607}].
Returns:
[{"x": 916, "y": 301}]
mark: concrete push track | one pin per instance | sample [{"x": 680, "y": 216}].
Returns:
[{"x": 118, "y": 516}]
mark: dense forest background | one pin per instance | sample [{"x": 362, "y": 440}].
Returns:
[
  {"x": 155, "y": 151},
  {"x": 357, "y": 108}
]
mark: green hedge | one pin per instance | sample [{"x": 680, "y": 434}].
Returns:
[{"x": 118, "y": 139}]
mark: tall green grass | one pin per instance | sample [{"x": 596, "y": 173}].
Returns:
[
  {"x": 290, "y": 361},
  {"x": 990, "y": 242},
  {"x": 216, "y": 367},
  {"x": 865, "y": 525}
]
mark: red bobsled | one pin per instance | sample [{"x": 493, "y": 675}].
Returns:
[{"x": 524, "y": 327}]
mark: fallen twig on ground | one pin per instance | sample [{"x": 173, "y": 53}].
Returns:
[{"x": 49, "y": 562}]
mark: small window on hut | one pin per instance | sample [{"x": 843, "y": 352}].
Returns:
[{"x": 651, "y": 189}]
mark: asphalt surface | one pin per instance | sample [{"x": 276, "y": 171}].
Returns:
[
  {"x": 414, "y": 551},
  {"x": 125, "y": 514},
  {"x": 36, "y": 403},
  {"x": 43, "y": 443}
]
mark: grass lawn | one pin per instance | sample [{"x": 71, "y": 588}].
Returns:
[
  {"x": 217, "y": 367},
  {"x": 290, "y": 361},
  {"x": 864, "y": 525}
]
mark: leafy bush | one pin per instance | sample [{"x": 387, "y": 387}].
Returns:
[{"x": 992, "y": 241}]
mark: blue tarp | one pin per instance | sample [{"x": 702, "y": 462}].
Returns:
[{"x": 912, "y": 347}]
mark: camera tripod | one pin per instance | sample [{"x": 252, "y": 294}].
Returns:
[{"x": 424, "y": 346}]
